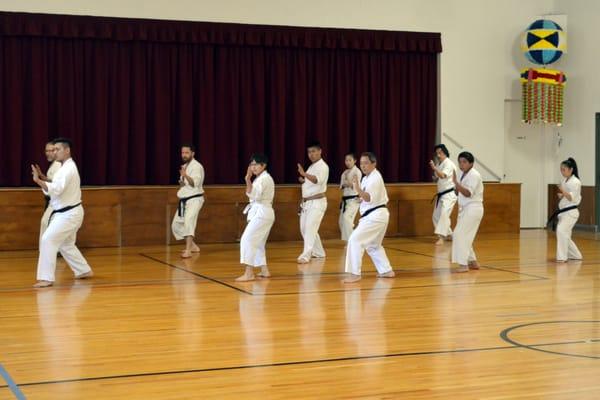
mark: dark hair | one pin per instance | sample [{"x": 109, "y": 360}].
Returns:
[
  {"x": 570, "y": 163},
  {"x": 189, "y": 146},
  {"x": 64, "y": 141},
  {"x": 467, "y": 156},
  {"x": 350, "y": 154},
  {"x": 442, "y": 147},
  {"x": 371, "y": 156},
  {"x": 314, "y": 143},
  {"x": 259, "y": 158}
]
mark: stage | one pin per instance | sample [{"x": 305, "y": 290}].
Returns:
[{"x": 142, "y": 215}]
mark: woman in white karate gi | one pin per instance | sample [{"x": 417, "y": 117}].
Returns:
[
  {"x": 350, "y": 202},
  {"x": 445, "y": 197},
  {"x": 260, "y": 216},
  {"x": 470, "y": 212},
  {"x": 568, "y": 214}
]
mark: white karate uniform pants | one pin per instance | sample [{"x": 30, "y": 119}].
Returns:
[
  {"x": 60, "y": 235},
  {"x": 44, "y": 222},
  {"x": 253, "y": 242},
  {"x": 186, "y": 225},
  {"x": 441, "y": 215},
  {"x": 565, "y": 247},
  {"x": 466, "y": 228},
  {"x": 346, "y": 220},
  {"x": 310, "y": 221},
  {"x": 368, "y": 236}
]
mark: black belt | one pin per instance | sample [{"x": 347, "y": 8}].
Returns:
[
  {"x": 344, "y": 200},
  {"x": 181, "y": 206},
  {"x": 47, "y": 199},
  {"x": 62, "y": 210},
  {"x": 552, "y": 220},
  {"x": 437, "y": 196},
  {"x": 370, "y": 210}
]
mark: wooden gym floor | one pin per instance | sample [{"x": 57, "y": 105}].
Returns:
[{"x": 153, "y": 326}]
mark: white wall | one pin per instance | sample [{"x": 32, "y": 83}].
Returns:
[
  {"x": 479, "y": 65},
  {"x": 582, "y": 95}
]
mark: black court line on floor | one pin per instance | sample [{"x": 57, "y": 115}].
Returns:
[
  {"x": 504, "y": 335},
  {"x": 288, "y": 363},
  {"x": 481, "y": 265},
  {"x": 302, "y": 275},
  {"x": 208, "y": 278},
  {"x": 350, "y": 287}
]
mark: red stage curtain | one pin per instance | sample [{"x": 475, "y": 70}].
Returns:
[{"x": 129, "y": 91}]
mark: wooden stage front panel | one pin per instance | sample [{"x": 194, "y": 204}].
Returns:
[{"x": 141, "y": 215}]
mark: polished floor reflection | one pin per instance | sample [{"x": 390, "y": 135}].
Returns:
[{"x": 153, "y": 326}]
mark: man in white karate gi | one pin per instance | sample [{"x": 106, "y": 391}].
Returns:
[
  {"x": 314, "y": 203},
  {"x": 65, "y": 219},
  {"x": 50, "y": 152},
  {"x": 191, "y": 200},
  {"x": 374, "y": 219}
]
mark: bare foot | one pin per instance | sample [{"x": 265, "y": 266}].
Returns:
[
  {"x": 85, "y": 275},
  {"x": 474, "y": 265},
  {"x": 186, "y": 254},
  {"x": 302, "y": 260},
  {"x": 561, "y": 261},
  {"x": 43, "y": 284},
  {"x": 195, "y": 249},
  {"x": 352, "y": 278},
  {"x": 245, "y": 278},
  {"x": 390, "y": 274},
  {"x": 440, "y": 241},
  {"x": 462, "y": 268},
  {"x": 264, "y": 273}
]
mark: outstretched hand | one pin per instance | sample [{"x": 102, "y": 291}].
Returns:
[
  {"x": 35, "y": 173},
  {"x": 182, "y": 171},
  {"x": 40, "y": 173}
]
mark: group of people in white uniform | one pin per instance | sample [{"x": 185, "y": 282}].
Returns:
[{"x": 363, "y": 192}]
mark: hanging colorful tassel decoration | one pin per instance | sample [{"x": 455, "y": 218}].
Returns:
[{"x": 542, "y": 90}]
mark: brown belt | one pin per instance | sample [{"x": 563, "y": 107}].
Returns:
[{"x": 314, "y": 197}]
